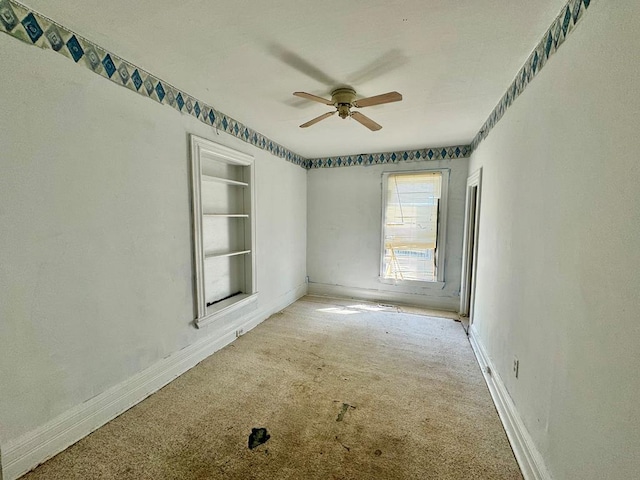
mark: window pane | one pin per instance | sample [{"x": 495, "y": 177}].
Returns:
[{"x": 411, "y": 226}]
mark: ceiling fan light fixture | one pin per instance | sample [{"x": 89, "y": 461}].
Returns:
[{"x": 344, "y": 99}]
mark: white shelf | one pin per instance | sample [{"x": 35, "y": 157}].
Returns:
[
  {"x": 211, "y": 178},
  {"x": 228, "y": 254},
  {"x": 226, "y": 215}
]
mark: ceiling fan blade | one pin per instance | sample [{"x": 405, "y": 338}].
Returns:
[
  {"x": 378, "y": 100},
  {"x": 315, "y": 98},
  {"x": 317, "y": 119},
  {"x": 391, "y": 60},
  {"x": 366, "y": 121},
  {"x": 298, "y": 63}
]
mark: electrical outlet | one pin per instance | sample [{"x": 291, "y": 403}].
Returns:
[
  {"x": 239, "y": 332},
  {"x": 516, "y": 366}
]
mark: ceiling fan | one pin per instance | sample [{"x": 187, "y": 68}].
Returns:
[{"x": 344, "y": 99}]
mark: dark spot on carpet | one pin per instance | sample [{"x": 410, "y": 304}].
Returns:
[
  {"x": 258, "y": 437},
  {"x": 346, "y": 447},
  {"x": 345, "y": 407},
  {"x": 378, "y": 453}
]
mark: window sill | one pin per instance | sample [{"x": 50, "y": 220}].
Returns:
[{"x": 413, "y": 283}]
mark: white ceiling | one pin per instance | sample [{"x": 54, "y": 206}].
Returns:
[{"x": 451, "y": 60}]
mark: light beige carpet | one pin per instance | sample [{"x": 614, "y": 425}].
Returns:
[{"x": 345, "y": 389}]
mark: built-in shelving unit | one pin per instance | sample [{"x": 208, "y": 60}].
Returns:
[{"x": 224, "y": 226}]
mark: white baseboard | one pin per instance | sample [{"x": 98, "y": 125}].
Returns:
[
  {"x": 25, "y": 453},
  {"x": 528, "y": 457},
  {"x": 446, "y": 304}
]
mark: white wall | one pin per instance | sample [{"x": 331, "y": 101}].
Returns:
[
  {"x": 95, "y": 247},
  {"x": 559, "y": 259},
  {"x": 344, "y": 222}
]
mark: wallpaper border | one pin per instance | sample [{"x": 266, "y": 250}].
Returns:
[
  {"x": 364, "y": 159},
  {"x": 566, "y": 21},
  {"x": 31, "y": 27},
  {"x": 23, "y": 23}
]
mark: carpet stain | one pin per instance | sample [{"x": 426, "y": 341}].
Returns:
[
  {"x": 258, "y": 437},
  {"x": 343, "y": 411},
  {"x": 346, "y": 447}
]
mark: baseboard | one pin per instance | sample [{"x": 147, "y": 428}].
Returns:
[
  {"x": 528, "y": 457},
  {"x": 25, "y": 453},
  {"x": 419, "y": 300}
]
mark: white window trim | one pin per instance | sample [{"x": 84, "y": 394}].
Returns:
[{"x": 442, "y": 230}]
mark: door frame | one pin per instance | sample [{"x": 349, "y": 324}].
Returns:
[{"x": 470, "y": 248}]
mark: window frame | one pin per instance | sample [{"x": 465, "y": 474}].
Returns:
[{"x": 442, "y": 229}]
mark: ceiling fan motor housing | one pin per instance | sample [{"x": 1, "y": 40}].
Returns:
[{"x": 343, "y": 99}]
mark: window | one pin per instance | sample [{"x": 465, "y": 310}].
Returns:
[{"x": 413, "y": 227}]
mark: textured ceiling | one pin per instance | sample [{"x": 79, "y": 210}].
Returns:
[{"x": 452, "y": 61}]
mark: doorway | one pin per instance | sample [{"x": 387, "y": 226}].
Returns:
[{"x": 470, "y": 249}]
